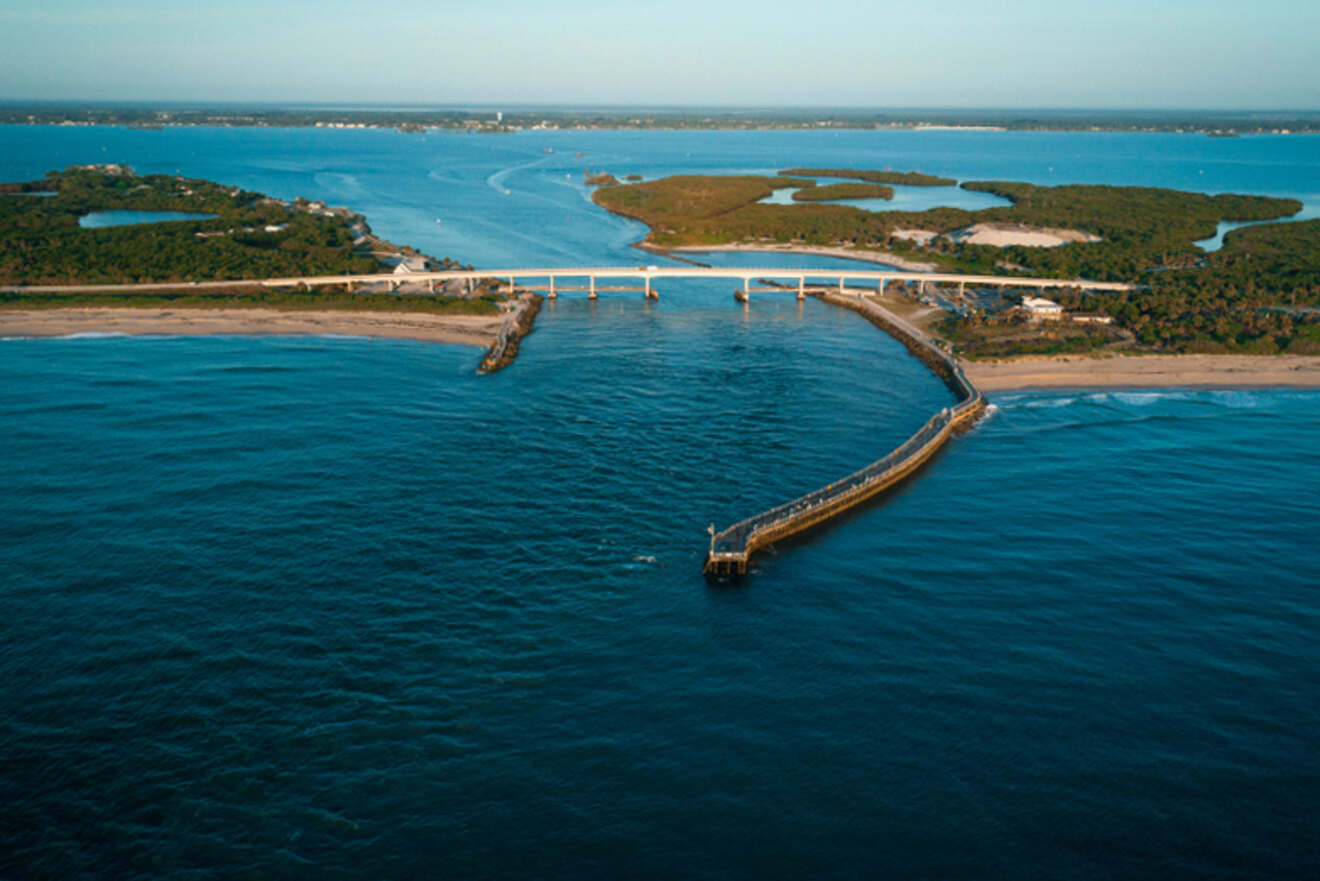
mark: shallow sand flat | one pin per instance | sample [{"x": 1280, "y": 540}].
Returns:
[
  {"x": 1146, "y": 371},
  {"x": 882, "y": 257},
  {"x": 1002, "y": 235},
  {"x": 474, "y": 330},
  {"x": 920, "y": 236}
]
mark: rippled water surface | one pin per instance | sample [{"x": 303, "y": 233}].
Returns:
[{"x": 340, "y": 608}]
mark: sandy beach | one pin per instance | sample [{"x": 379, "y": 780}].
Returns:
[
  {"x": 882, "y": 257},
  {"x": 1147, "y": 371},
  {"x": 473, "y": 330}
]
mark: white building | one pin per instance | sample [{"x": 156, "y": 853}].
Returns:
[
  {"x": 409, "y": 265},
  {"x": 1039, "y": 308}
]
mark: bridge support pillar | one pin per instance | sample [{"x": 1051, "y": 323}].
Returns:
[
  {"x": 650, "y": 291},
  {"x": 552, "y": 294},
  {"x": 510, "y": 286},
  {"x": 841, "y": 284},
  {"x": 430, "y": 285},
  {"x": 880, "y": 286},
  {"x": 468, "y": 282},
  {"x": 591, "y": 287},
  {"x": 802, "y": 287}
]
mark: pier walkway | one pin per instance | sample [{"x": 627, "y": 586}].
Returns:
[{"x": 730, "y": 549}]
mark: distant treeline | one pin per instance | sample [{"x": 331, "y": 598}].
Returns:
[
  {"x": 905, "y": 178},
  {"x": 1259, "y": 293}
]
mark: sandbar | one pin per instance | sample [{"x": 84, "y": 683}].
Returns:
[
  {"x": 472, "y": 330},
  {"x": 884, "y": 258},
  {"x": 1146, "y": 371}
]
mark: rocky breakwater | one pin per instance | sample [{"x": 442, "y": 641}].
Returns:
[{"x": 517, "y": 324}]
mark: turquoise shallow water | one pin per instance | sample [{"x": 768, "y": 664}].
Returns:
[{"x": 331, "y": 607}]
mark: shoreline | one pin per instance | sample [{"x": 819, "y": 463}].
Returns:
[
  {"x": 1145, "y": 371},
  {"x": 469, "y": 330},
  {"x": 881, "y": 258}
]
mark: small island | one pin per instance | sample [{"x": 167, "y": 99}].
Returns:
[
  {"x": 838, "y": 192},
  {"x": 50, "y": 260},
  {"x": 903, "y": 178}
]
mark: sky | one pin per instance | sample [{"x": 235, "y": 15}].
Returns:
[{"x": 1211, "y": 54}]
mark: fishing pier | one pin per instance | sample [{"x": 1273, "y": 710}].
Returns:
[{"x": 731, "y": 548}]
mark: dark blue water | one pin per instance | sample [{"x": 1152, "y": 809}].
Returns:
[{"x": 340, "y": 608}]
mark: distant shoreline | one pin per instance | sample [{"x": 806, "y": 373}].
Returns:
[
  {"x": 549, "y": 119},
  {"x": 1145, "y": 371}
]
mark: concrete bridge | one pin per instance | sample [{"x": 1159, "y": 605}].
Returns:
[{"x": 554, "y": 280}]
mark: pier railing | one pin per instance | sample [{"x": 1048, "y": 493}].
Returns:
[{"x": 731, "y": 548}]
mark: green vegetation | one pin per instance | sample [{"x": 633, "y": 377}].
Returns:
[
  {"x": 905, "y": 178},
  {"x": 835, "y": 192},
  {"x": 1259, "y": 293},
  {"x": 683, "y": 207},
  {"x": 977, "y": 336},
  {"x": 41, "y": 242},
  {"x": 316, "y": 300},
  {"x": 28, "y": 187}
]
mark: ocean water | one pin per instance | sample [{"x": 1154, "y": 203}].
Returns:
[{"x": 340, "y": 608}]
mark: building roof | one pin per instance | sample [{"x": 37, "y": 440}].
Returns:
[
  {"x": 1040, "y": 304},
  {"x": 410, "y": 264}
]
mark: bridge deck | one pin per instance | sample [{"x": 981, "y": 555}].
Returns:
[{"x": 646, "y": 273}]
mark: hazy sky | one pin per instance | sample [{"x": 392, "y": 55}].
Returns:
[{"x": 950, "y": 53}]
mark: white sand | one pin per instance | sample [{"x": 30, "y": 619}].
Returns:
[
  {"x": 1146, "y": 371},
  {"x": 920, "y": 236},
  {"x": 1005, "y": 234},
  {"x": 474, "y": 330}
]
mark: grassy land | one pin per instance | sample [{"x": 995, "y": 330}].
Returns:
[
  {"x": 41, "y": 242},
  {"x": 1260, "y": 293},
  {"x": 905, "y": 178},
  {"x": 835, "y": 192}
]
